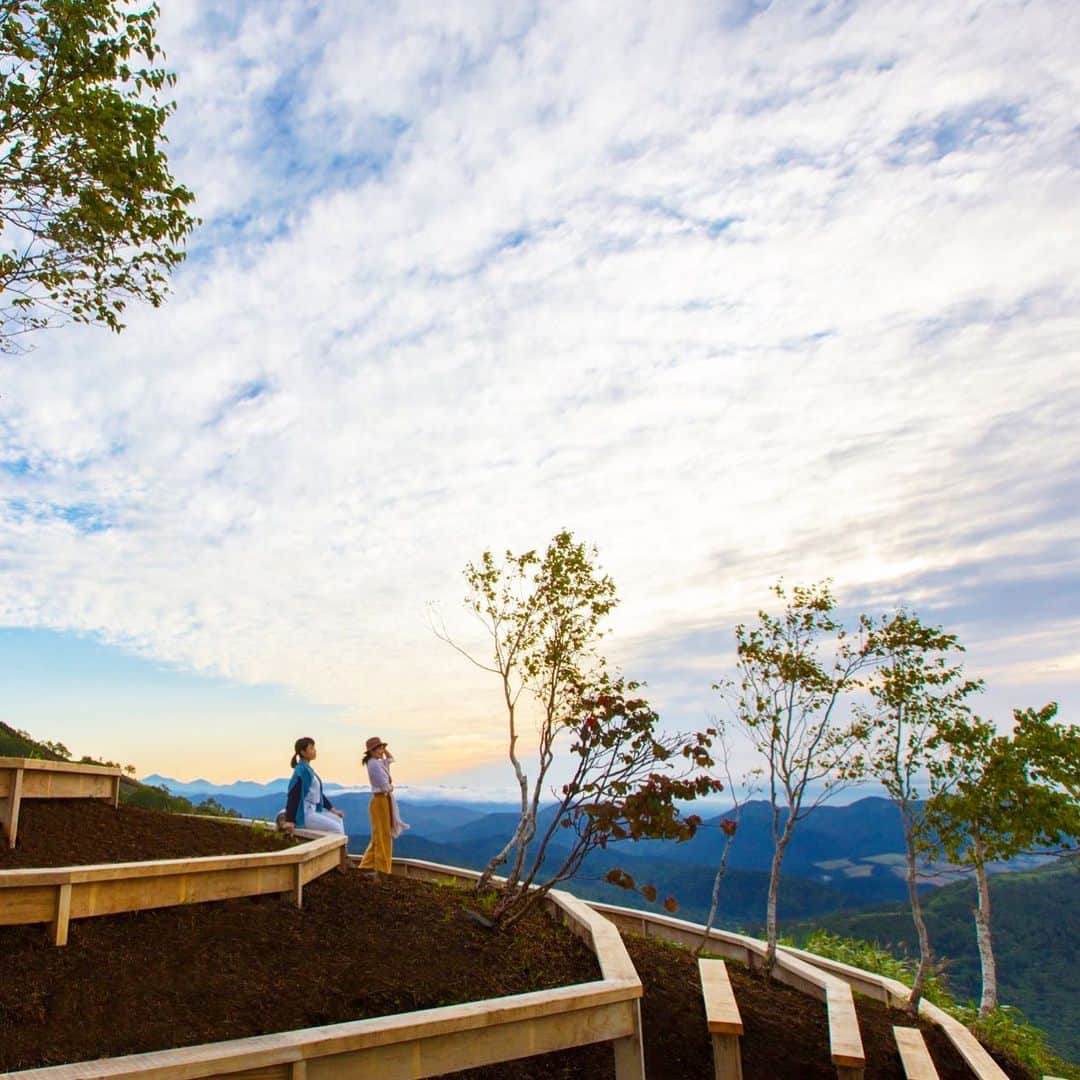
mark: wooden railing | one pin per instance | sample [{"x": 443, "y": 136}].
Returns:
[
  {"x": 795, "y": 967},
  {"x": 56, "y": 895},
  {"x": 433, "y": 1041},
  {"x": 29, "y": 778},
  {"x": 429, "y": 1042}
]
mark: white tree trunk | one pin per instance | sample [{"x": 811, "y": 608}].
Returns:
[
  {"x": 520, "y": 831},
  {"x": 774, "y": 893},
  {"x": 925, "y": 956},
  {"x": 989, "y": 1000}
]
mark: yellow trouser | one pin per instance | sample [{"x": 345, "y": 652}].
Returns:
[{"x": 380, "y": 850}]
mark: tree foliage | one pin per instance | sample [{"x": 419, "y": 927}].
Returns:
[
  {"x": 90, "y": 216},
  {"x": 627, "y": 781},
  {"x": 1002, "y": 795}
]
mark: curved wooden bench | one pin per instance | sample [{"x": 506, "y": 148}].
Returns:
[
  {"x": 29, "y": 778},
  {"x": 56, "y": 895},
  {"x": 751, "y": 951},
  {"x": 429, "y": 1042}
]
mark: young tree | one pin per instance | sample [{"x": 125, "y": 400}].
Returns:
[
  {"x": 729, "y": 825},
  {"x": 787, "y": 700},
  {"x": 627, "y": 778},
  {"x": 90, "y": 216},
  {"x": 543, "y": 616},
  {"x": 917, "y": 691},
  {"x": 1002, "y": 795}
]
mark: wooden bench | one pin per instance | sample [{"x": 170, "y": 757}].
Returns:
[
  {"x": 914, "y": 1056},
  {"x": 29, "y": 778},
  {"x": 845, "y": 1042},
  {"x": 722, "y": 1015}
]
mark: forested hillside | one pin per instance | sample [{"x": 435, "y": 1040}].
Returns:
[
  {"x": 16, "y": 743},
  {"x": 1036, "y": 926}
]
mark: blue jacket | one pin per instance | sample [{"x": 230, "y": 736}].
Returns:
[{"x": 302, "y": 778}]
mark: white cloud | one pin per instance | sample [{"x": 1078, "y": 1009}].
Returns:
[{"x": 731, "y": 296}]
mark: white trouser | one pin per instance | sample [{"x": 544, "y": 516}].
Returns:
[{"x": 322, "y": 821}]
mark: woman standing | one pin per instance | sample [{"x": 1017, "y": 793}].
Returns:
[
  {"x": 386, "y": 823},
  {"x": 307, "y": 807}
]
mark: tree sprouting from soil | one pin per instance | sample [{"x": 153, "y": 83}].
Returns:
[
  {"x": 916, "y": 691},
  {"x": 1003, "y": 795},
  {"x": 543, "y": 618},
  {"x": 787, "y": 699}
]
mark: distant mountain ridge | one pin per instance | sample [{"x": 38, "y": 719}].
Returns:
[{"x": 244, "y": 789}]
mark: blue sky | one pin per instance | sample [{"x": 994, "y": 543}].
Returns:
[{"x": 733, "y": 291}]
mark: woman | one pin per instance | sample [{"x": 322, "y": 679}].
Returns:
[
  {"x": 386, "y": 823},
  {"x": 307, "y": 807}
]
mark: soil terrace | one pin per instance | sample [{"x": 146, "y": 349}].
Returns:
[
  {"x": 84, "y": 832},
  {"x": 358, "y": 948}
]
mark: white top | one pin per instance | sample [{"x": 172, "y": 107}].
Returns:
[
  {"x": 314, "y": 793},
  {"x": 378, "y": 771}
]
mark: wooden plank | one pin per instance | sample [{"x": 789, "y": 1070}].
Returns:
[
  {"x": 845, "y": 1042},
  {"x": 9, "y": 805},
  {"x": 63, "y": 915},
  {"x": 630, "y": 1050},
  {"x": 41, "y": 765},
  {"x": 727, "y": 1057},
  {"x": 113, "y": 897},
  {"x": 169, "y": 867},
  {"x": 969, "y": 1048},
  {"x": 419, "y": 1044},
  {"x": 53, "y": 785},
  {"x": 30, "y": 896},
  {"x": 296, "y": 894},
  {"x": 914, "y": 1056},
  {"x": 30, "y": 905},
  {"x": 721, "y": 1009}
]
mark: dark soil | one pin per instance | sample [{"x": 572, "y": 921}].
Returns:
[
  {"x": 82, "y": 832},
  {"x": 186, "y": 975},
  {"x": 786, "y": 1032},
  {"x": 203, "y": 973}
]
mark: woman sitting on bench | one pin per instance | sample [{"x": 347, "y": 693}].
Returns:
[{"x": 307, "y": 806}]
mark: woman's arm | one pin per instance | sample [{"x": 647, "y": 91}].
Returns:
[{"x": 292, "y": 803}]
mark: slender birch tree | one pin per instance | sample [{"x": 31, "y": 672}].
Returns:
[
  {"x": 917, "y": 690},
  {"x": 543, "y": 617},
  {"x": 788, "y": 700}
]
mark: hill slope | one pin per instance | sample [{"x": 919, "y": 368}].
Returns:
[
  {"x": 1035, "y": 917},
  {"x": 16, "y": 743}
]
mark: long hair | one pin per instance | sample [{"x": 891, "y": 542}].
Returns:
[{"x": 299, "y": 746}]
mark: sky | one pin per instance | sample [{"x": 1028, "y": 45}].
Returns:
[{"x": 734, "y": 291}]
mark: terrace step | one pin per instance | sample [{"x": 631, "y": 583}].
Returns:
[
  {"x": 914, "y": 1055},
  {"x": 845, "y": 1042},
  {"x": 722, "y": 1016}
]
